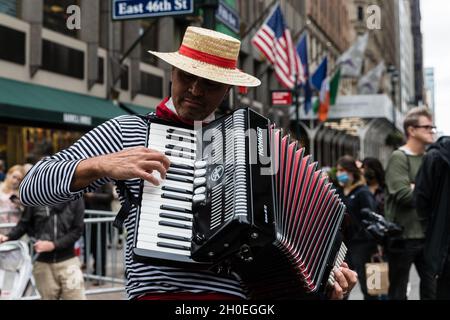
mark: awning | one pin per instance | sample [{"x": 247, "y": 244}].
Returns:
[
  {"x": 138, "y": 109},
  {"x": 20, "y": 101}
]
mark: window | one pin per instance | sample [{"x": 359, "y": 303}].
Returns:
[
  {"x": 151, "y": 85},
  {"x": 9, "y": 7},
  {"x": 14, "y": 51},
  {"x": 124, "y": 76},
  {"x": 101, "y": 71},
  {"x": 63, "y": 60},
  {"x": 360, "y": 13},
  {"x": 55, "y": 16},
  {"x": 149, "y": 41}
]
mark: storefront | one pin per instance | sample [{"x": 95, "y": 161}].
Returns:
[{"x": 37, "y": 120}]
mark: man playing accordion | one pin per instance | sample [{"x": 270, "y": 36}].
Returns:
[{"x": 204, "y": 69}]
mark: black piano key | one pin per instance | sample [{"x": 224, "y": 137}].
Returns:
[
  {"x": 177, "y": 190},
  {"x": 172, "y": 237},
  {"x": 174, "y": 225},
  {"x": 178, "y": 155},
  {"x": 177, "y": 198},
  {"x": 172, "y": 246},
  {"x": 180, "y": 173},
  {"x": 175, "y": 217},
  {"x": 181, "y": 139},
  {"x": 180, "y": 133},
  {"x": 175, "y": 209},
  {"x": 177, "y": 148},
  {"x": 181, "y": 166},
  {"x": 178, "y": 179}
]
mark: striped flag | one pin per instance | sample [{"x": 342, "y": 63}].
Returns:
[{"x": 274, "y": 40}]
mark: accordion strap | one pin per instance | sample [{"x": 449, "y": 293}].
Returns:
[{"x": 129, "y": 199}]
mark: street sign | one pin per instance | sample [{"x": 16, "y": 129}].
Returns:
[
  {"x": 228, "y": 16},
  {"x": 282, "y": 98},
  {"x": 138, "y": 9}
]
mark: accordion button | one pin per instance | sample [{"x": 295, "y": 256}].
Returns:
[
  {"x": 200, "y": 173},
  {"x": 199, "y": 182},
  {"x": 200, "y": 165},
  {"x": 198, "y": 198},
  {"x": 200, "y": 190}
]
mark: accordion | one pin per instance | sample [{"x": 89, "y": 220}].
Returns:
[{"x": 239, "y": 193}]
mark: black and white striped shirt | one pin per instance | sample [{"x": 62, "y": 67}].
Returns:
[{"x": 48, "y": 183}]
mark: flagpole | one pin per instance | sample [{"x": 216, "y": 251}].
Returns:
[
  {"x": 297, "y": 107},
  {"x": 258, "y": 21}
]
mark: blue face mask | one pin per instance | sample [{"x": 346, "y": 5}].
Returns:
[{"x": 343, "y": 178}]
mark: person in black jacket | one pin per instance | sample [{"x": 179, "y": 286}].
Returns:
[
  {"x": 356, "y": 196},
  {"x": 55, "y": 229},
  {"x": 432, "y": 197}
]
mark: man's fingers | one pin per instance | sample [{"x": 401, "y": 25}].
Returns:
[
  {"x": 341, "y": 280},
  {"x": 338, "y": 293},
  {"x": 149, "y": 177},
  {"x": 150, "y": 166},
  {"x": 158, "y": 156},
  {"x": 351, "y": 277}
]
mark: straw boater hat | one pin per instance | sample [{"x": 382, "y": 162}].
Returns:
[{"x": 211, "y": 55}]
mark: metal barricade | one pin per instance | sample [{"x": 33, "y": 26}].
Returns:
[{"x": 100, "y": 243}]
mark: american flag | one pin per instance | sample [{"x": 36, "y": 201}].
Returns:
[{"x": 274, "y": 40}]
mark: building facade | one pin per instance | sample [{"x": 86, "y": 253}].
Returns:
[
  {"x": 416, "y": 19},
  {"x": 406, "y": 52},
  {"x": 96, "y": 75},
  {"x": 430, "y": 99}
]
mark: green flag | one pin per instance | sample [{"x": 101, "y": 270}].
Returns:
[
  {"x": 334, "y": 87},
  {"x": 316, "y": 104}
]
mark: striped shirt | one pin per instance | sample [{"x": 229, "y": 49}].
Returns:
[{"x": 48, "y": 183}]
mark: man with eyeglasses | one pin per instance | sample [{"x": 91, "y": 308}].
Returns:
[{"x": 400, "y": 208}]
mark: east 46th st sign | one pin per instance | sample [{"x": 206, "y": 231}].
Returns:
[{"x": 135, "y": 9}]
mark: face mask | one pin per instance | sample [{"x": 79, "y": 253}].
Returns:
[{"x": 343, "y": 178}]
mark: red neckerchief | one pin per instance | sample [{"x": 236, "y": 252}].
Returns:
[{"x": 163, "y": 112}]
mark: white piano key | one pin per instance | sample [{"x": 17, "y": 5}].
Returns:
[
  {"x": 155, "y": 239},
  {"x": 153, "y": 201},
  {"x": 184, "y": 156},
  {"x": 154, "y": 247},
  {"x": 170, "y": 137},
  {"x": 164, "y": 128},
  {"x": 158, "y": 191},
  {"x": 170, "y": 183},
  {"x": 162, "y": 142},
  {"x": 153, "y": 221},
  {"x": 152, "y": 227}
]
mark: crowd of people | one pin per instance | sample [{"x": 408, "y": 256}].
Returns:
[
  {"x": 53, "y": 231},
  {"x": 410, "y": 193}
]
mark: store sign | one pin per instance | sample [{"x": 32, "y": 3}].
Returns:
[
  {"x": 77, "y": 119},
  {"x": 139, "y": 9},
  {"x": 282, "y": 98},
  {"x": 228, "y": 16}
]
